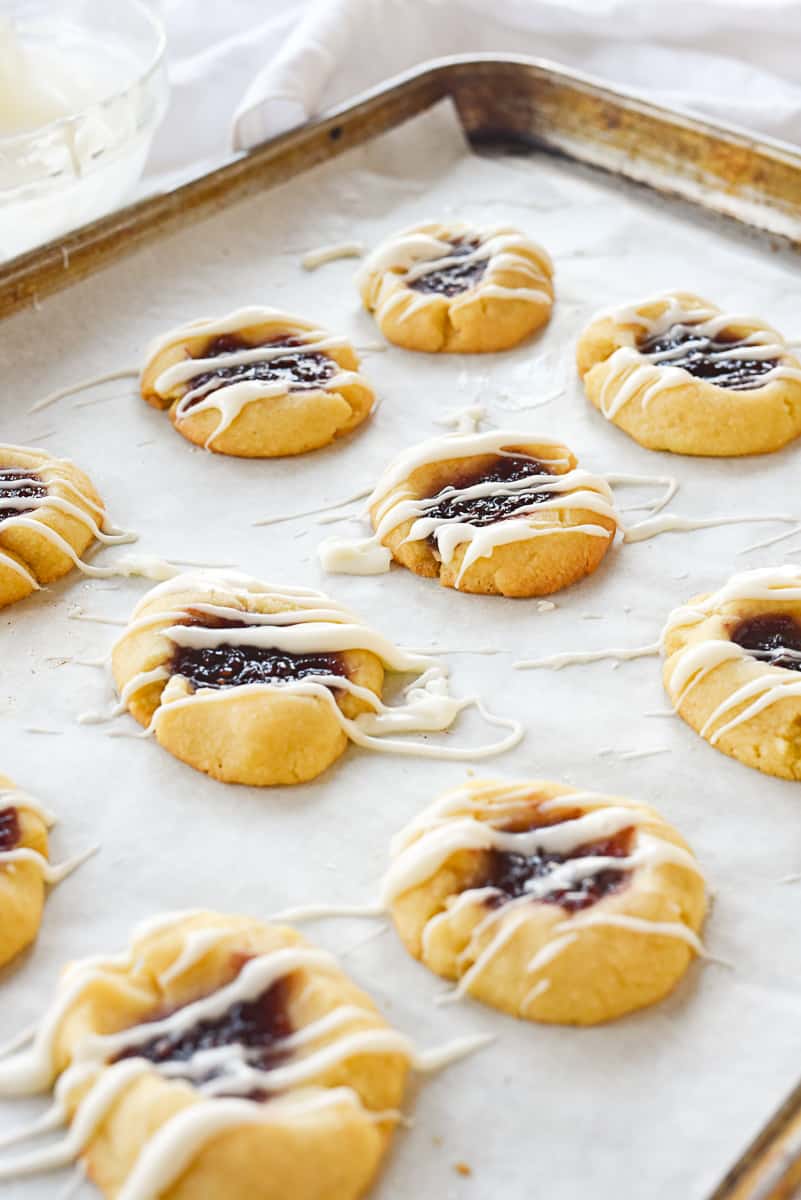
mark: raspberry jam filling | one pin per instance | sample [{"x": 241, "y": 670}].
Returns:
[
  {"x": 457, "y": 278},
  {"x": 16, "y": 484},
  {"x": 228, "y": 665},
  {"x": 299, "y": 370},
  {"x": 9, "y": 829},
  {"x": 257, "y": 1026},
  {"x": 448, "y": 505},
  {"x": 699, "y": 358},
  {"x": 513, "y": 874},
  {"x": 773, "y": 638}
]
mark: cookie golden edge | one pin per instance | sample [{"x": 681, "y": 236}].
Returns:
[
  {"x": 478, "y": 320},
  {"x": 697, "y": 418},
  {"x": 22, "y": 883},
  {"x": 588, "y": 973},
  {"x": 277, "y": 426},
  {"x": 706, "y": 697},
  {"x": 30, "y": 554},
  {"x": 539, "y": 566},
  {"x": 330, "y": 1152}
]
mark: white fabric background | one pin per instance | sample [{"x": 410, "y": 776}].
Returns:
[{"x": 247, "y": 69}]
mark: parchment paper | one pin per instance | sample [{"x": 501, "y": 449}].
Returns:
[{"x": 653, "y": 1106}]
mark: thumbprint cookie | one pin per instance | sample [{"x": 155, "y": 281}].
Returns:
[
  {"x": 49, "y": 514},
  {"x": 218, "y": 1056},
  {"x": 498, "y": 513},
  {"x": 732, "y": 668},
  {"x": 257, "y": 384},
  {"x": 455, "y": 287},
  {"x": 676, "y": 373},
  {"x": 260, "y": 684},
  {"x": 25, "y": 868},
  {"x": 546, "y": 902}
]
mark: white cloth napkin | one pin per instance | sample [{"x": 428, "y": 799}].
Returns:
[{"x": 250, "y": 69}]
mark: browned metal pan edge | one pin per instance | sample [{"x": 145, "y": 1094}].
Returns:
[
  {"x": 509, "y": 98},
  {"x": 770, "y": 1169}
]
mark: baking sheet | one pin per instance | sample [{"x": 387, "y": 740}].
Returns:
[{"x": 655, "y": 1105}]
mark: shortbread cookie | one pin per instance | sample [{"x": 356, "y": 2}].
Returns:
[
  {"x": 259, "y": 684},
  {"x": 498, "y": 513},
  {"x": 218, "y": 1056},
  {"x": 456, "y": 287},
  {"x": 257, "y": 384},
  {"x": 546, "y": 902},
  {"x": 732, "y": 663},
  {"x": 49, "y": 514},
  {"x": 677, "y": 373},
  {"x": 25, "y": 868}
]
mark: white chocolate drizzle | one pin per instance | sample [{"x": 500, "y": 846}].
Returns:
[
  {"x": 574, "y": 489},
  {"x": 314, "y": 624},
  {"x": 637, "y": 376},
  {"x": 227, "y": 398},
  {"x": 763, "y": 684},
  {"x": 84, "y": 385},
  {"x": 571, "y": 658},
  {"x": 424, "y": 249},
  {"x": 326, "y": 254},
  {"x": 228, "y": 1068},
  {"x": 51, "y": 873}
]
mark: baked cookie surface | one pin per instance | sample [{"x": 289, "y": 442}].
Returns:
[
  {"x": 49, "y": 514},
  {"x": 456, "y": 287},
  {"x": 247, "y": 682},
  {"x": 23, "y": 869},
  {"x": 498, "y": 513},
  {"x": 546, "y": 902},
  {"x": 217, "y": 1056},
  {"x": 733, "y": 668},
  {"x": 677, "y": 373},
  {"x": 257, "y": 383}
]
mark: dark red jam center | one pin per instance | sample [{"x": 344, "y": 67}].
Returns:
[
  {"x": 458, "y": 277},
  {"x": 259, "y": 1026},
  {"x": 737, "y": 374},
  {"x": 17, "y": 485},
  {"x": 9, "y": 829},
  {"x": 448, "y": 505},
  {"x": 297, "y": 369},
  {"x": 774, "y": 638},
  {"x": 511, "y": 874},
  {"x": 229, "y": 665}
]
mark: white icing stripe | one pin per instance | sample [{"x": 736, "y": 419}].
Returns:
[
  {"x": 171, "y": 1150},
  {"x": 317, "y": 626},
  {"x": 326, "y": 254},
  {"x": 763, "y": 684},
  {"x": 575, "y": 490},
  {"x": 230, "y": 398},
  {"x": 51, "y": 873},
  {"x": 7, "y": 561},
  {"x": 555, "y": 662},
  {"x": 634, "y": 375},
  {"x": 16, "y": 798}
]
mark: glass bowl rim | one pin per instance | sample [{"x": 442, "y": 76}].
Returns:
[{"x": 155, "y": 60}]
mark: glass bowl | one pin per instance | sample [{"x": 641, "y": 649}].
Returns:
[{"x": 83, "y": 88}]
